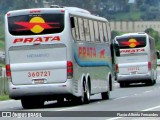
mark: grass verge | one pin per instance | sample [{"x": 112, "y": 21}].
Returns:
[{"x": 4, "y": 97}]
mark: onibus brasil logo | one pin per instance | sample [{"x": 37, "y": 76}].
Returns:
[{"x": 36, "y": 25}]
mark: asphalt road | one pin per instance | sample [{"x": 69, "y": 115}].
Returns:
[{"x": 136, "y": 97}]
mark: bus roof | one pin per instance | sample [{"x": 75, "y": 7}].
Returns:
[
  {"x": 132, "y": 34},
  {"x": 72, "y": 10},
  {"x": 136, "y": 33}
]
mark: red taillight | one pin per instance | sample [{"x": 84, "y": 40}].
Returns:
[
  {"x": 8, "y": 70},
  {"x": 149, "y": 65},
  {"x": 117, "y": 68},
  {"x": 8, "y": 14},
  {"x": 69, "y": 69},
  {"x": 34, "y": 11},
  {"x": 62, "y": 11}
]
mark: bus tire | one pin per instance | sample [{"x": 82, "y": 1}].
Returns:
[
  {"x": 150, "y": 83},
  {"x": 105, "y": 95},
  {"x": 154, "y": 81},
  {"x": 60, "y": 100},
  {"x": 122, "y": 84},
  {"x": 85, "y": 98},
  {"x": 26, "y": 104},
  {"x": 31, "y": 103}
]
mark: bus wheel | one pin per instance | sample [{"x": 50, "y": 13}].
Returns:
[
  {"x": 85, "y": 98},
  {"x": 150, "y": 83},
  {"x": 60, "y": 100},
  {"x": 154, "y": 81},
  {"x": 31, "y": 103},
  {"x": 122, "y": 84},
  {"x": 26, "y": 104},
  {"x": 105, "y": 95}
]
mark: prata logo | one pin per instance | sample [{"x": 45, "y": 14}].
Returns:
[
  {"x": 131, "y": 43},
  {"x": 36, "y": 25}
]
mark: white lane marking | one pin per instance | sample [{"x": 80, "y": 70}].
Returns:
[
  {"x": 115, "y": 118},
  {"x": 152, "y": 108},
  {"x": 121, "y": 97},
  {"x": 148, "y": 91},
  {"x": 66, "y": 109}
]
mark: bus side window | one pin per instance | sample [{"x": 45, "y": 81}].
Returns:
[
  {"x": 96, "y": 28},
  {"x": 101, "y": 36},
  {"x": 72, "y": 22},
  {"x": 86, "y": 30},
  {"x": 92, "y": 34},
  {"x": 81, "y": 29},
  {"x": 105, "y": 39},
  {"x": 75, "y": 29}
]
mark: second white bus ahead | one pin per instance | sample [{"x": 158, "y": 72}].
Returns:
[
  {"x": 57, "y": 54},
  {"x": 137, "y": 60}
]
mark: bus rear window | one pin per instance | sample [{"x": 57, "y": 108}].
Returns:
[
  {"x": 131, "y": 42},
  {"x": 36, "y": 24}
]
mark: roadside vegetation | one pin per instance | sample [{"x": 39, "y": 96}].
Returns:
[{"x": 4, "y": 97}]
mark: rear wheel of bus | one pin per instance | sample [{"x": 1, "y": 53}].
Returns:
[
  {"x": 124, "y": 84},
  {"x": 28, "y": 103},
  {"x": 151, "y": 82},
  {"x": 105, "y": 95},
  {"x": 86, "y": 93},
  {"x": 85, "y": 98}
]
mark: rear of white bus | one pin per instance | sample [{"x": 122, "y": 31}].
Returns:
[
  {"x": 36, "y": 54},
  {"x": 135, "y": 63}
]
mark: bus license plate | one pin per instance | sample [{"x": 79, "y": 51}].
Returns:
[
  {"x": 134, "y": 72},
  {"x": 38, "y": 81}
]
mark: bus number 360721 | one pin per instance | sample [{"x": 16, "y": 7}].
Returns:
[{"x": 39, "y": 74}]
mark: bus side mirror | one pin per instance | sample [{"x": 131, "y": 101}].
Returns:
[{"x": 117, "y": 49}]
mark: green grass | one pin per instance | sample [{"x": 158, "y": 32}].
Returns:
[
  {"x": 2, "y": 45},
  {"x": 3, "y": 65},
  {"x": 4, "y": 97}
]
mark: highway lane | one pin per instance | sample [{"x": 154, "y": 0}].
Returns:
[
  {"x": 134, "y": 97},
  {"x": 137, "y": 97}
]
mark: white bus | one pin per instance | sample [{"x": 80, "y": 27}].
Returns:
[
  {"x": 137, "y": 60},
  {"x": 57, "y": 54}
]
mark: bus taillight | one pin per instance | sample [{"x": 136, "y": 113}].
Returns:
[
  {"x": 149, "y": 65},
  {"x": 8, "y": 70},
  {"x": 69, "y": 69},
  {"x": 117, "y": 70}
]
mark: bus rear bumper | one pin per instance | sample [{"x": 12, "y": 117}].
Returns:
[
  {"x": 134, "y": 78},
  {"x": 43, "y": 90}
]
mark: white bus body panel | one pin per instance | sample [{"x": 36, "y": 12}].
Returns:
[
  {"x": 133, "y": 68},
  {"x": 38, "y": 62}
]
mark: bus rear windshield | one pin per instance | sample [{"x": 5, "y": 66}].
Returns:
[
  {"x": 131, "y": 42},
  {"x": 36, "y": 24}
]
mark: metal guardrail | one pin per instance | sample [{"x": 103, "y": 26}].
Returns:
[{"x": 3, "y": 82}]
